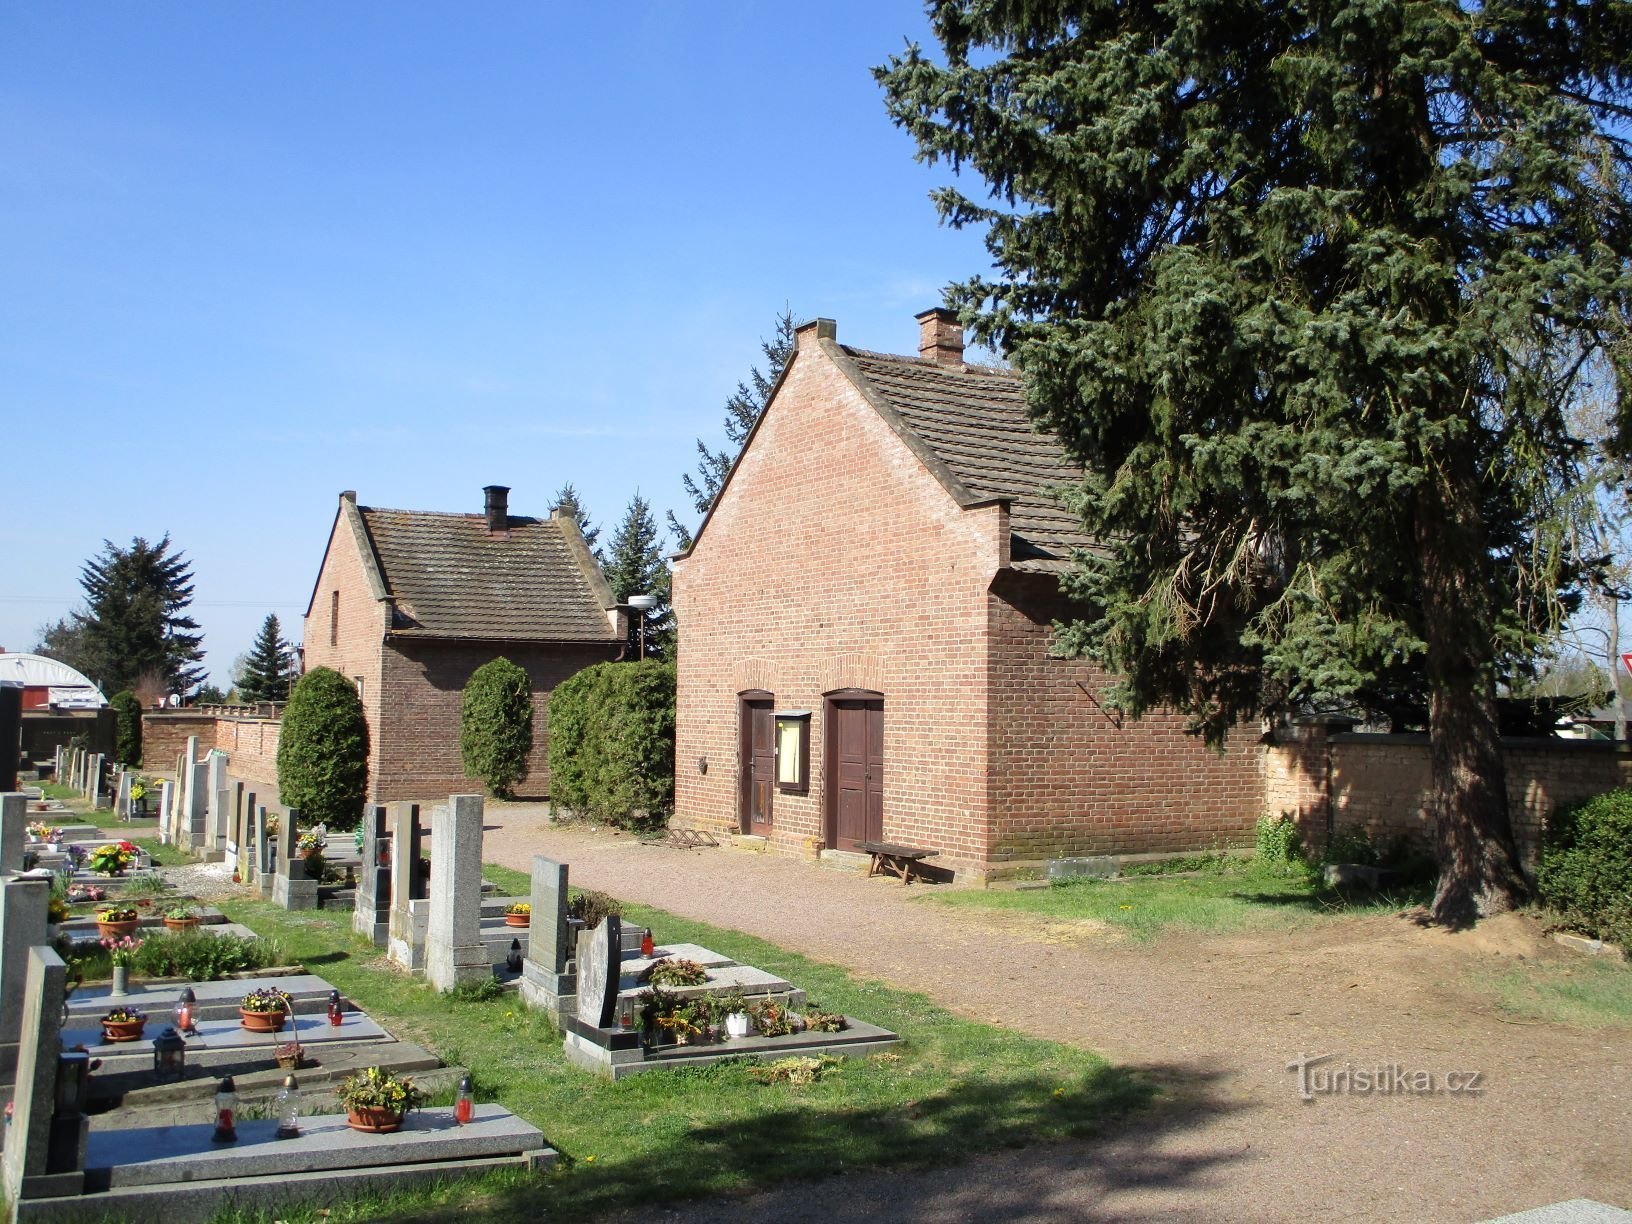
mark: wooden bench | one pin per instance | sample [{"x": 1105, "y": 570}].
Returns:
[{"x": 903, "y": 861}]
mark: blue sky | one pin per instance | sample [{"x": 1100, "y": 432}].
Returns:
[{"x": 255, "y": 254}]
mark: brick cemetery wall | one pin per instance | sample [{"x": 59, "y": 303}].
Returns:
[{"x": 165, "y": 734}]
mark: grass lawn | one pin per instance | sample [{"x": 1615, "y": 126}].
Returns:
[
  {"x": 952, "y": 1088},
  {"x": 1594, "y": 993},
  {"x": 1219, "y": 894}
]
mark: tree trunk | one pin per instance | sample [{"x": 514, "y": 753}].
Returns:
[{"x": 1478, "y": 861}]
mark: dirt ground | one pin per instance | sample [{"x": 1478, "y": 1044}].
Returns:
[{"x": 1215, "y": 1019}]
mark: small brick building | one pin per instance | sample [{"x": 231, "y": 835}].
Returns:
[
  {"x": 408, "y": 603},
  {"x": 865, "y": 623}
]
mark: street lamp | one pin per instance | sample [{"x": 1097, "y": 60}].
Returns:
[{"x": 643, "y": 604}]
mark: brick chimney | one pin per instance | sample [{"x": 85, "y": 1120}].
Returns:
[
  {"x": 940, "y": 337},
  {"x": 498, "y": 507}
]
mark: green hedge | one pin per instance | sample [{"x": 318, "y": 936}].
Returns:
[
  {"x": 323, "y": 750},
  {"x": 496, "y": 725},
  {"x": 127, "y": 716},
  {"x": 612, "y": 744},
  {"x": 1586, "y": 866}
]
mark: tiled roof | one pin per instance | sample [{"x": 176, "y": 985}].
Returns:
[
  {"x": 449, "y": 577},
  {"x": 975, "y": 421}
]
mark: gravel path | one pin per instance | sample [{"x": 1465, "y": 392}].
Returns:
[{"x": 1215, "y": 1018}]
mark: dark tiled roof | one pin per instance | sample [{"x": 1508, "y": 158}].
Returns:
[
  {"x": 975, "y": 421},
  {"x": 449, "y": 577}
]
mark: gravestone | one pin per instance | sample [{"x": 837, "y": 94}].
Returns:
[
  {"x": 372, "y": 915},
  {"x": 248, "y": 864},
  {"x": 23, "y": 918},
  {"x": 292, "y": 889},
  {"x": 167, "y": 816},
  {"x": 545, "y": 982},
  {"x": 197, "y": 815},
  {"x": 405, "y": 945},
  {"x": 121, "y": 803},
  {"x": 28, "y": 1158},
  {"x": 184, "y": 778},
  {"x": 13, "y": 831},
  {"x": 235, "y": 826},
  {"x": 454, "y": 949},
  {"x": 266, "y": 852},
  {"x": 93, "y": 782},
  {"x": 215, "y": 791},
  {"x": 600, "y": 960}
]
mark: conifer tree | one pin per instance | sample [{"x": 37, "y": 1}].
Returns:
[
  {"x": 635, "y": 566},
  {"x": 742, "y": 410},
  {"x": 566, "y": 498},
  {"x": 1307, "y": 290},
  {"x": 270, "y": 668},
  {"x": 135, "y": 617}
]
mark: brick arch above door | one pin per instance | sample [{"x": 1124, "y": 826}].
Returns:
[
  {"x": 753, "y": 674},
  {"x": 851, "y": 670}
]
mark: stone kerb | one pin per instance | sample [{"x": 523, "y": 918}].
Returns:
[{"x": 454, "y": 949}]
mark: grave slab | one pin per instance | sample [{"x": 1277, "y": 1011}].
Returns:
[
  {"x": 614, "y": 1055},
  {"x": 229, "y": 1035}
]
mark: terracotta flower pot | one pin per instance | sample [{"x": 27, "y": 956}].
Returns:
[
  {"x": 518, "y": 920},
  {"x": 116, "y": 930},
  {"x": 128, "y": 1030},
  {"x": 262, "y": 1022},
  {"x": 180, "y": 924},
  {"x": 374, "y": 1121}
]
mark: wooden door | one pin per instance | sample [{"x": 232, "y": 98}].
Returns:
[
  {"x": 856, "y": 776},
  {"x": 757, "y": 752}
]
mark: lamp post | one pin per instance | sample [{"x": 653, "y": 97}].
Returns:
[{"x": 643, "y": 604}]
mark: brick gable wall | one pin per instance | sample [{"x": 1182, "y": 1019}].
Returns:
[{"x": 835, "y": 560}]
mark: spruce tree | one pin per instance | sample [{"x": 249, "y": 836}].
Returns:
[
  {"x": 742, "y": 410},
  {"x": 635, "y": 566},
  {"x": 1307, "y": 290},
  {"x": 270, "y": 668},
  {"x": 566, "y": 498},
  {"x": 135, "y": 618}
]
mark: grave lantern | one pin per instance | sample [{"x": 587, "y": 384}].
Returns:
[
  {"x": 337, "y": 1009},
  {"x": 186, "y": 1006},
  {"x": 169, "y": 1055},
  {"x": 464, "y": 1105},
  {"x": 512, "y": 959},
  {"x": 288, "y": 1106},
  {"x": 73, "y": 1073},
  {"x": 382, "y": 852},
  {"x": 226, "y": 1110}
]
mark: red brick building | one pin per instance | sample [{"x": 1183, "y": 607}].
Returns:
[
  {"x": 865, "y": 626},
  {"x": 408, "y": 603}
]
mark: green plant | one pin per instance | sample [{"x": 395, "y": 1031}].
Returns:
[
  {"x": 127, "y": 736},
  {"x": 1278, "y": 839},
  {"x": 676, "y": 972},
  {"x": 1586, "y": 866},
  {"x": 202, "y": 957},
  {"x": 1352, "y": 846},
  {"x": 323, "y": 750},
  {"x": 661, "y": 1011},
  {"x": 138, "y": 789},
  {"x": 146, "y": 884},
  {"x": 56, "y": 909},
  {"x": 113, "y": 857},
  {"x": 732, "y": 1003},
  {"x": 116, "y": 913},
  {"x": 122, "y": 951},
  {"x": 377, "y": 1088},
  {"x": 593, "y": 908},
  {"x": 124, "y": 1015},
  {"x": 612, "y": 743},
  {"x": 797, "y": 1071},
  {"x": 180, "y": 911},
  {"x": 496, "y": 725},
  {"x": 264, "y": 999},
  {"x": 483, "y": 990},
  {"x": 771, "y": 1017}
]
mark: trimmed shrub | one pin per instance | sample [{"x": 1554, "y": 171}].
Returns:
[
  {"x": 323, "y": 750},
  {"x": 127, "y": 735},
  {"x": 496, "y": 725},
  {"x": 1586, "y": 866},
  {"x": 612, "y": 744}
]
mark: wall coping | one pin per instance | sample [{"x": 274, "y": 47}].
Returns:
[{"x": 1543, "y": 743}]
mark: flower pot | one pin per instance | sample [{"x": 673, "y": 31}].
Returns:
[
  {"x": 375, "y": 1121},
  {"x": 116, "y": 930},
  {"x": 518, "y": 920},
  {"x": 736, "y": 1025},
  {"x": 262, "y": 1022},
  {"x": 180, "y": 924},
  {"x": 129, "y": 1030}
]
